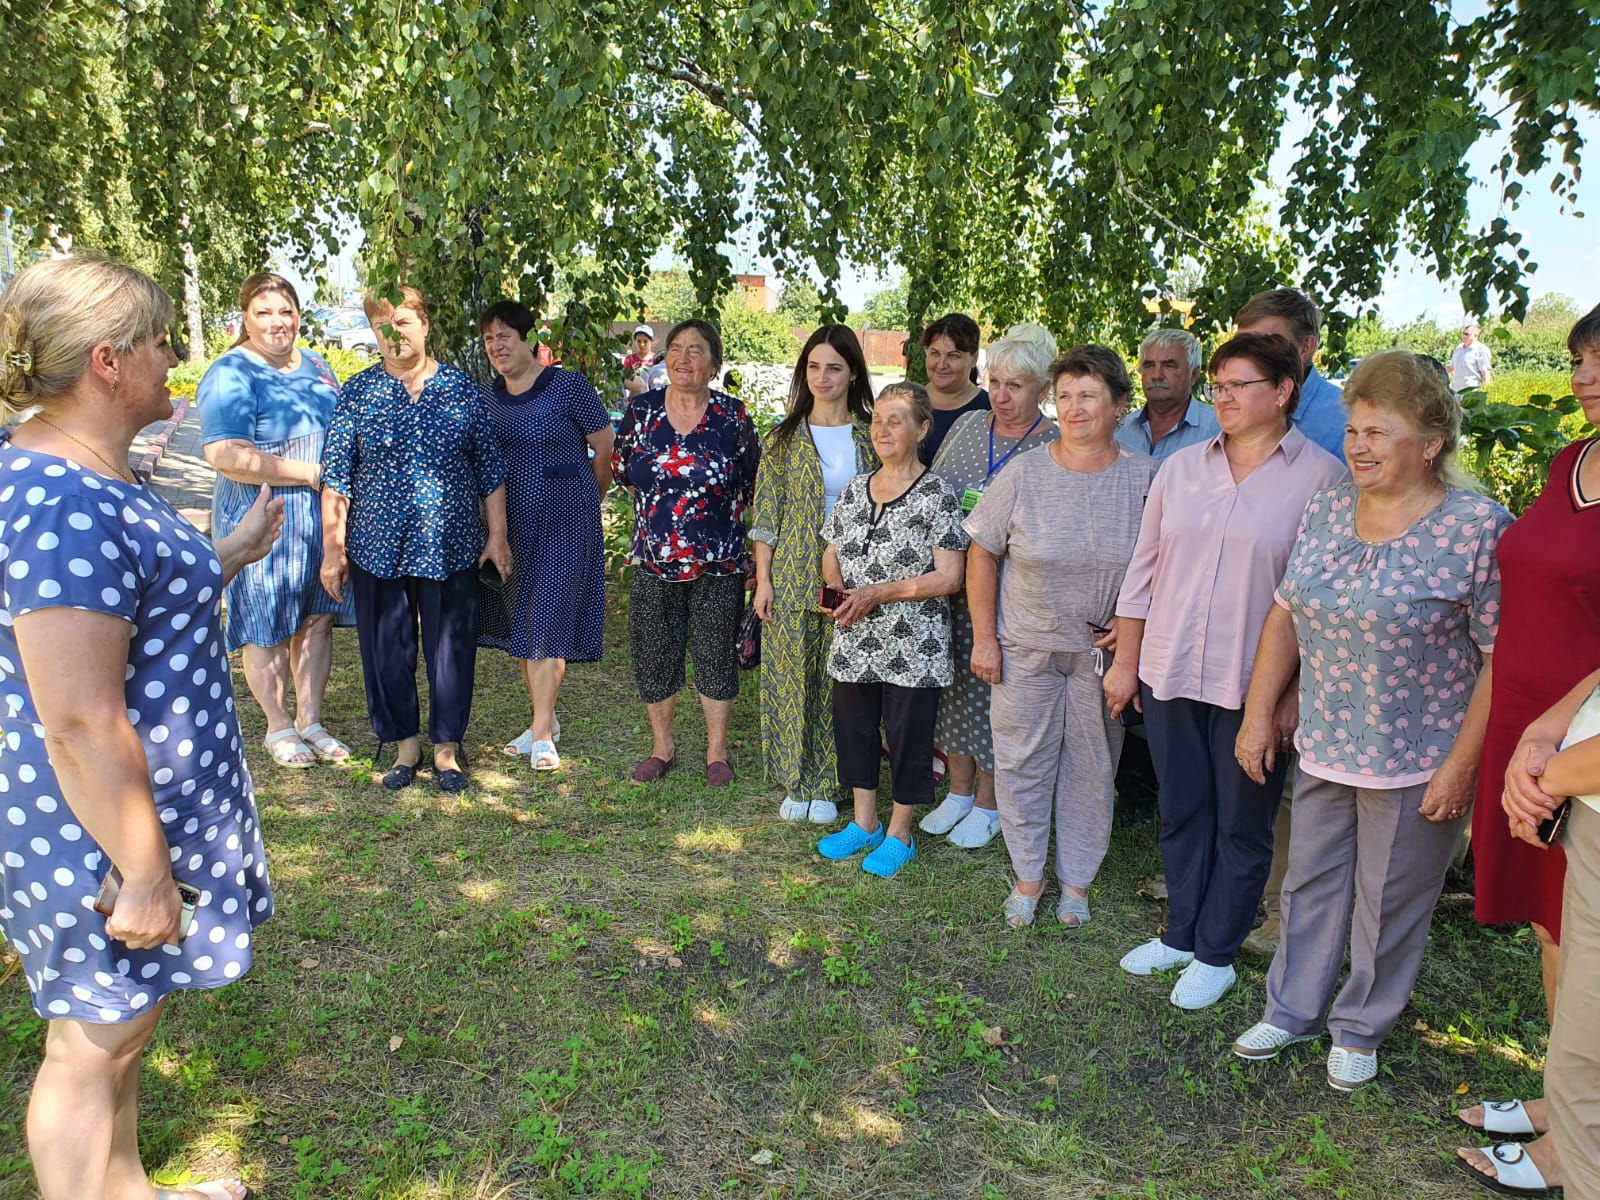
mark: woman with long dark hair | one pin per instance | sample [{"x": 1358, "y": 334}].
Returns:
[{"x": 823, "y": 443}]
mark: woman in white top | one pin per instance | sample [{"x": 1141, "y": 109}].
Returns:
[{"x": 823, "y": 443}]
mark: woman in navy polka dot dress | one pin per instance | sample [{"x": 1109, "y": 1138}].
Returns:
[
  {"x": 554, "y": 610},
  {"x": 119, "y": 744}
]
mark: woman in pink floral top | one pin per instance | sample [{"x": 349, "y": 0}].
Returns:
[
  {"x": 1388, "y": 609},
  {"x": 689, "y": 456}
]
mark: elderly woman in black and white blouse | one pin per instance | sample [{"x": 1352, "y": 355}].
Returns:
[{"x": 894, "y": 555}]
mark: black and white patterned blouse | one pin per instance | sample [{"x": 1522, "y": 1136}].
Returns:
[{"x": 906, "y": 643}]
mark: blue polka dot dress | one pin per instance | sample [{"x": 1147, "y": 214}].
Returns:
[
  {"x": 71, "y": 538},
  {"x": 555, "y": 606}
]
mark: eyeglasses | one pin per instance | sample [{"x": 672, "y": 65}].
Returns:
[{"x": 1227, "y": 391}]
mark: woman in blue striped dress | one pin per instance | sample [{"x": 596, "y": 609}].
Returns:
[{"x": 264, "y": 412}]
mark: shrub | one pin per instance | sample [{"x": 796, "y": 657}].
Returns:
[{"x": 1512, "y": 433}]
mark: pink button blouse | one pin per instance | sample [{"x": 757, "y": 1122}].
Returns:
[{"x": 1209, "y": 557}]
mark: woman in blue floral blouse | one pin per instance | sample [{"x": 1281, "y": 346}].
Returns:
[
  {"x": 688, "y": 455},
  {"x": 410, "y": 454}
]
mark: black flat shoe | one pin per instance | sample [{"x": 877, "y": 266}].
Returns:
[
  {"x": 453, "y": 781},
  {"x": 399, "y": 776}
]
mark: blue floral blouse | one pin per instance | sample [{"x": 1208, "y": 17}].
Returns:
[
  {"x": 689, "y": 490},
  {"x": 414, "y": 471}
]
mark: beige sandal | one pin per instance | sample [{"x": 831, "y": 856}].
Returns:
[
  {"x": 323, "y": 744},
  {"x": 215, "y": 1189},
  {"x": 289, "y": 750}
]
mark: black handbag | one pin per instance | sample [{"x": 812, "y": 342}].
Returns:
[{"x": 749, "y": 644}]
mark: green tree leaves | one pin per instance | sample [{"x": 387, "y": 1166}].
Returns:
[{"x": 1033, "y": 160}]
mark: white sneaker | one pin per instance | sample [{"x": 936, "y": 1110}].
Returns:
[
  {"x": 947, "y": 816},
  {"x": 794, "y": 810},
  {"x": 976, "y": 829},
  {"x": 1263, "y": 1041},
  {"x": 1350, "y": 1069},
  {"x": 1154, "y": 955},
  {"x": 1201, "y": 985},
  {"x": 823, "y": 812}
]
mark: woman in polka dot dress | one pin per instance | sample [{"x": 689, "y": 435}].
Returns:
[{"x": 119, "y": 744}]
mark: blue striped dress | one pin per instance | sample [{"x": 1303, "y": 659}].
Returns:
[{"x": 284, "y": 413}]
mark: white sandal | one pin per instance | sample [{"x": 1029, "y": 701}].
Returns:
[
  {"x": 323, "y": 744},
  {"x": 523, "y": 743},
  {"x": 288, "y": 750},
  {"x": 543, "y": 757},
  {"x": 1514, "y": 1172},
  {"x": 1505, "y": 1118}
]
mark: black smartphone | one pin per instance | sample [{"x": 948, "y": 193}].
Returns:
[
  {"x": 106, "y": 899},
  {"x": 830, "y": 597},
  {"x": 1550, "y": 828},
  {"x": 488, "y": 572}
]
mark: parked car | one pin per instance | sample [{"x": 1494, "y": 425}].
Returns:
[{"x": 345, "y": 328}]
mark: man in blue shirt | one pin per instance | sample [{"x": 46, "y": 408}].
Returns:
[
  {"x": 1169, "y": 369},
  {"x": 1320, "y": 414}
]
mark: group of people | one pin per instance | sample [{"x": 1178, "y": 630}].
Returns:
[{"x": 1284, "y": 574}]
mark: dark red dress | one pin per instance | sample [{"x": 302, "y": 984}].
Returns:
[{"x": 1549, "y": 640}]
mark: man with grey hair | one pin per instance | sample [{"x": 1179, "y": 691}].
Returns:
[
  {"x": 1171, "y": 418},
  {"x": 1469, "y": 365}
]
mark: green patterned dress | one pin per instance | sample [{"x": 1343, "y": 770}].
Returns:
[{"x": 796, "y": 694}]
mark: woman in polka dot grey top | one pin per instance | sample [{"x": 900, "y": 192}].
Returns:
[{"x": 119, "y": 743}]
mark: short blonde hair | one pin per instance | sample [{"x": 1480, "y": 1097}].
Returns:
[
  {"x": 377, "y": 307},
  {"x": 1411, "y": 385},
  {"x": 1025, "y": 350},
  {"x": 56, "y": 312}
]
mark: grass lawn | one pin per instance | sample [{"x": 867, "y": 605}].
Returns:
[{"x": 565, "y": 985}]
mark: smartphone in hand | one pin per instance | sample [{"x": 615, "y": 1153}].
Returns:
[
  {"x": 106, "y": 899},
  {"x": 830, "y": 598}
]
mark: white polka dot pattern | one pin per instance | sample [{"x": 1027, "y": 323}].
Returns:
[{"x": 70, "y": 538}]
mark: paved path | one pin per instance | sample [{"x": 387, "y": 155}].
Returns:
[{"x": 171, "y": 451}]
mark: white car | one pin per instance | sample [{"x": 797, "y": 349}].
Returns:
[{"x": 349, "y": 329}]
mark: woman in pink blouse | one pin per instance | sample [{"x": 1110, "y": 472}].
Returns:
[
  {"x": 1217, "y": 530},
  {"x": 1388, "y": 612}
]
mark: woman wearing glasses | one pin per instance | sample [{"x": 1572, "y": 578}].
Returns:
[{"x": 1216, "y": 534}]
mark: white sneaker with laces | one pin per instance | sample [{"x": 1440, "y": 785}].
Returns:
[
  {"x": 1350, "y": 1069},
  {"x": 823, "y": 812},
  {"x": 1154, "y": 955},
  {"x": 1201, "y": 985},
  {"x": 978, "y": 828},
  {"x": 947, "y": 815},
  {"x": 1263, "y": 1041},
  {"x": 794, "y": 810}
]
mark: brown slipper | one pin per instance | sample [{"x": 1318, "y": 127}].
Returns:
[
  {"x": 719, "y": 774},
  {"x": 653, "y": 768}
]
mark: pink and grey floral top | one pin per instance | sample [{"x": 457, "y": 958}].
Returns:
[{"x": 1392, "y": 635}]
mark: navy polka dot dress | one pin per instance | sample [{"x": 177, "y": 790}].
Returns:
[
  {"x": 70, "y": 538},
  {"x": 556, "y": 605}
]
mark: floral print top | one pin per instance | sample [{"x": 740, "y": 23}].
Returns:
[
  {"x": 1392, "y": 635},
  {"x": 906, "y": 642},
  {"x": 414, "y": 471},
  {"x": 690, "y": 490}
]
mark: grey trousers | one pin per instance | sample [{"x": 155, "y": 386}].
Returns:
[
  {"x": 1572, "y": 1068},
  {"x": 1055, "y": 762},
  {"x": 1366, "y": 865}
]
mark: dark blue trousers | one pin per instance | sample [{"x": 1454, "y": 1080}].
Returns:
[
  {"x": 389, "y": 615},
  {"x": 1216, "y": 825}
]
